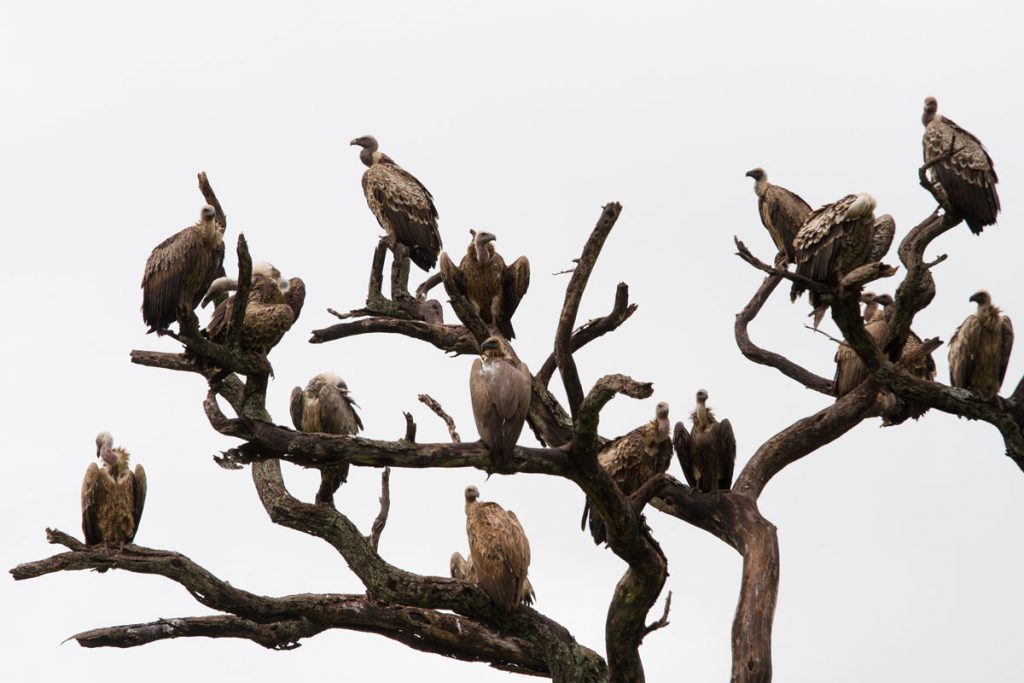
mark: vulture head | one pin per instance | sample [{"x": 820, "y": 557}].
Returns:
[
  {"x": 757, "y": 174},
  {"x": 369, "y": 145},
  {"x": 661, "y": 418},
  {"x": 863, "y": 205},
  {"x": 702, "y": 395},
  {"x": 480, "y": 241},
  {"x": 104, "y": 441},
  {"x": 931, "y": 106},
  {"x": 266, "y": 269},
  {"x": 493, "y": 347},
  {"x": 472, "y": 494},
  {"x": 883, "y": 300},
  {"x": 982, "y": 298},
  {"x": 207, "y": 213},
  {"x": 433, "y": 314}
]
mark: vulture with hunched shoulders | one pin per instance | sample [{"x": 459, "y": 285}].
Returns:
[
  {"x": 402, "y": 205},
  {"x": 267, "y": 317},
  {"x": 112, "y": 497},
  {"x": 782, "y": 214},
  {"x": 707, "y": 453},
  {"x": 631, "y": 460},
  {"x": 962, "y": 168},
  {"x": 980, "y": 349},
  {"x": 462, "y": 568},
  {"x": 326, "y": 406},
  {"x": 180, "y": 269},
  {"x": 499, "y": 552},
  {"x": 493, "y": 289},
  {"x": 500, "y": 386}
]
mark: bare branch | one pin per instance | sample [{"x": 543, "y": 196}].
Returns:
[
  {"x": 410, "y": 428},
  {"x": 570, "y": 308},
  {"x": 604, "y": 390},
  {"x": 277, "y": 635},
  {"x": 807, "y": 283},
  {"x": 230, "y": 387},
  {"x": 431, "y": 403},
  {"x": 663, "y": 621},
  {"x": 242, "y": 295},
  {"x": 211, "y": 199},
  {"x": 451, "y": 338},
  {"x": 385, "y": 507}
]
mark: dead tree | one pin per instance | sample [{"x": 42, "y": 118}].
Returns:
[{"x": 455, "y": 618}]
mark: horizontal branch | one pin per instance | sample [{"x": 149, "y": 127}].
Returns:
[{"x": 454, "y": 339}]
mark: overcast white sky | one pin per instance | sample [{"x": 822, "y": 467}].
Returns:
[{"x": 901, "y": 552}]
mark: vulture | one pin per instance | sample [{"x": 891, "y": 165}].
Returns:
[
  {"x": 631, "y": 460},
  {"x": 463, "y": 569},
  {"x": 267, "y": 317},
  {"x": 112, "y": 497},
  {"x": 782, "y": 213},
  {"x": 500, "y": 386},
  {"x": 293, "y": 290},
  {"x": 180, "y": 269},
  {"x": 965, "y": 173},
  {"x": 707, "y": 452},
  {"x": 219, "y": 288},
  {"x": 881, "y": 238},
  {"x": 980, "y": 349},
  {"x": 402, "y": 205},
  {"x": 851, "y": 371},
  {"x": 325, "y": 406},
  {"x": 834, "y": 240},
  {"x": 493, "y": 289},
  {"x": 499, "y": 552}
]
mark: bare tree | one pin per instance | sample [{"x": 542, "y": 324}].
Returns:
[{"x": 455, "y": 618}]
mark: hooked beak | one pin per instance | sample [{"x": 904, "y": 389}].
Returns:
[
  {"x": 976, "y": 298},
  {"x": 488, "y": 345},
  {"x": 750, "y": 174},
  {"x": 354, "y": 141}
]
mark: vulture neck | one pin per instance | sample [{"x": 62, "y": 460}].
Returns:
[
  {"x": 661, "y": 423},
  {"x": 469, "y": 505},
  {"x": 209, "y": 228},
  {"x": 366, "y": 155},
  {"x": 483, "y": 255},
  {"x": 869, "y": 311},
  {"x": 760, "y": 187},
  {"x": 702, "y": 413},
  {"x": 928, "y": 116},
  {"x": 987, "y": 310}
]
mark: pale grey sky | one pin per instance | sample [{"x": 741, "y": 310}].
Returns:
[{"x": 901, "y": 550}]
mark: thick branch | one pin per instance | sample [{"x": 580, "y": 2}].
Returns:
[
  {"x": 242, "y": 295},
  {"x": 571, "y": 306},
  {"x": 588, "y": 332},
  {"x": 451, "y": 338},
  {"x": 763, "y": 357},
  {"x": 230, "y": 387}
]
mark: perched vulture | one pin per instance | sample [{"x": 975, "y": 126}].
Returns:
[
  {"x": 219, "y": 288},
  {"x": 402, "y": 205},
  {"x": 851, "y": 371},
  {"x": 499, "y": 552},
  {"x": 980, "y": 349},
  {"x": 325, "y": 406},
  {"x": 782, "y": 213},
  {"x": 462, "y": 568},
  {"x": 492, "y": 288},
  {"x": 267, "y": 317},
  {"x": 112, "y": 497},
  {"x": 180, "y": 269},
  {"x": 499, "y": 388},
  {"x": 631, "y": 460},
  {"x": 966, "y": 176},
  {"x": 881, "y": 238},
  {"x": 708, "y": 452},
  {"x": 836, "y": 239}
]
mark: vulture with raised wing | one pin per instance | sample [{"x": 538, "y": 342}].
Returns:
[
  {"x": 980, "y": 349},
  {"x": 402, "y": 205},
  {"x": 112, "y": 497},
  {"x": 493, "y": 289},
  {"x": 836, "y": 239},
  {"x": 499, "y": 388},
  {"x": 631, "y": 460},
  {"x": 782, "y": 213},
  {"x": 180, "y": 269},
  {"x": 499, "y": 551},
  {"x": 851, "y": 371},
  {"x": 326, "y": 406},
  {"x": 707, "y": 453},
  {"x": 962, "y": 168},
  {"x": 462, "y": 568},
  {"x": 267, "y": 317}
]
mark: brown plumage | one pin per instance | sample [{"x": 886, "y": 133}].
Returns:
[
  {"x": 851, "y": 371},
  {"x": 980, "y": 349},
  {"x": 881, "y": 238},
  {"x": 295, "y": 296},
  {"x": 112, "y": 497},
  {"x": 630, "y": 461},
  {"x": 402, "y": 205},
  {"x": 782, "y": 213},
  {"x": 326, "y": 406},
  {"x": 180, "y": 269},
  {"x": 707, "y": 453},
  {"x": 492, "y": 288},
  {"x": 836, "y": 239},
  {"x": 966, "y": 178},
  {"x": 499, "y": 551},
  {"x": 499, "y": 388},
  {"x": 462, "y": 568},
  {"x": 267, "y": 317}
]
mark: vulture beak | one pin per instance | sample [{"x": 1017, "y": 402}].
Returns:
[
  {"x": 488, "y": 345},
  {"x": 976, "y": 297},
  {"x": 354, "y": 141},
  {"x": 751, "y": 174}
]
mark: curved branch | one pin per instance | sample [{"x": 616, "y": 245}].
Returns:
[
  {"x": 570, "y": 308},
  {"x": 450, "y": 338},
  {"x": 763, "y": 357},
  {"x": 211, "y": 199}
]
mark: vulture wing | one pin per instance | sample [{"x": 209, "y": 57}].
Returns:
[
  {"x": 179, "y": 266},
  {"x": 295, "y": 407},
  {"x": 139, "y": 487},
  {"x": 885, "y": 230},
  {"x": 963, "y": 351},
  {"x": 499, "y": 551},
  {"x": 501, "y": 400},
  {"x": 1007, "y": 334},
  {"x": 405, "y": 208},
  {"x": 783, "y": 213},
  {"x": 91, "y": 496},
  {"x": 337, "y": 415},
  {"x": 968, "y": 177},
  {"x": 725, "y": 445},
  {"x": 515, "y": 280},
  {"x": 295, "y": 297},
  {"x": 683, "y": 444}
]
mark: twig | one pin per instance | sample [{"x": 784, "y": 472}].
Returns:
[
  {"x": 823, "y": 333},
  {"x": 385, "y": 503},
  {"x": 410, "y": 428},
  {"x": 663, "y": 621},
  {"x": 211, "y": 199},
  {"x": 807, "y": 283},
  {"x": 568, "y": 270},
  {"x": 431, "y": 403}
]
